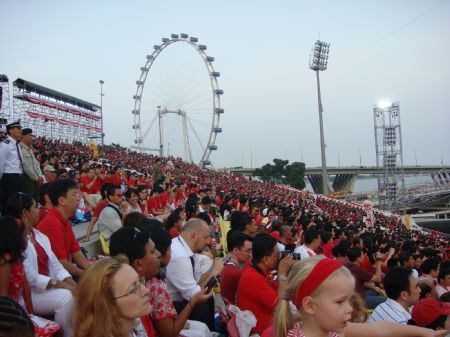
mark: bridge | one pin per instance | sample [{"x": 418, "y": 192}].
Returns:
[{"x": 345, "y": 176}]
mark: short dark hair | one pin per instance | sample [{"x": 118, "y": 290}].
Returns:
[
  {"x": 326, "y": 236},
  {"x": 14, "y": 320},
  {"x": 404, "y": 256},
  {"x": 59, "y": 188},
  {"x": 17, "y": 203},
  {"x": 104, "y": 190},
  {"x": 236, "y": 239},
  {"x": 112, "y": 189},
  {"x": 129, "y": 241},
  {"x": 205, "y": 217},
  {"x": 206, "y": 200},
  {"x": 310, "y": 235},
  {"x": 392, "y": 263},
  {"x": 130, "y": 192},
  {"x": 341, "y": 249},
  {"x": 12, "y": 240},
  {"x": 172, "y": 219},
  {"x": 353, "y": 253},
  {"x": 397, "y": 280},
  {"x": 428, "y": 265},
  {"x": 133, "y": 219},
  {"x": 43, "y": 191},
  {"x": 263, "y": 245},
  {"x": 159, "y": 235},
  {"x": 443, "y": 273}
]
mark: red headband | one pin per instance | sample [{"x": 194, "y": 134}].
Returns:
[{"x": 318, "y": 274}]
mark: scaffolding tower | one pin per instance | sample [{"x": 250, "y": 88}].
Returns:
[
  {"x": 5, "y": 108},
  {"x": 389, "y": 153},
  {"x": 55, "y": 115}
]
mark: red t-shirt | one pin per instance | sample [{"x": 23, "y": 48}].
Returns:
[
  {"x": 60, "y": 233},
  {"x": 42, "y": 213},
  {"x": 361, "y": 276},
  {"x": 173, "y": 233},
  {"x": 229, "y": 280},
  {"x": 86, "y": 181},
  {"x": 100, "y": 206},
  {"x": 115, "y": 180},
  {"x": 98, "y": 185},
  {"x": 327, "y": 250},
  {"x": 154, "y": 203},
  {"x": 256, "y": 294}
]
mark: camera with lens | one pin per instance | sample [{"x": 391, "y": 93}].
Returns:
[{"x": 295, "y": 256}]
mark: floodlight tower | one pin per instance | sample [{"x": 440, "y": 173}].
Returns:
[
  {"x": 389, "y": 152},
  {"x": 318, "y": 62},
  {"x": 4, "y": 102},
  {"x": 101, "y": 108}
]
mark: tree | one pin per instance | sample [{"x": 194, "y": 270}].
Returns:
[
  {"x": 295, "y": 175},
  {"x": 282, "y": 172}
]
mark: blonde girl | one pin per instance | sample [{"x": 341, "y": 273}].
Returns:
[{"x": 321, "y": 290}]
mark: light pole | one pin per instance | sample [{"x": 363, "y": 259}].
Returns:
[
  {"x": 101, "y": 108},
  {"x": 360, "y": 161},
  {"x": 318, "y": 62},
  {"x": 415, "y": 155},
  {"x": 301, "y": 152}
]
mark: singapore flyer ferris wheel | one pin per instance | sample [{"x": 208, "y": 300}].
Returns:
[{"x": 177, "y": 102}]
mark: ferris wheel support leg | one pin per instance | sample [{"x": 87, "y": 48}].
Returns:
[
  {"x": 161, "y": 132},
  {"x": 185, "y": 138}
]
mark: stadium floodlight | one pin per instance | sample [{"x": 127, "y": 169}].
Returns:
[
  {"x": 383, "y": 104},
  {"x": 318, "y": 62},
  {"x": 102, "y": 136}
]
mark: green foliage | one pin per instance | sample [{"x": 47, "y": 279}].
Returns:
[{"x": 283, "y": 172}]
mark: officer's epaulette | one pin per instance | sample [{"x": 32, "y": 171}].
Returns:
[{"x": 7, "y": 141}]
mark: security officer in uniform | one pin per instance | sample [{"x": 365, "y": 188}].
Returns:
[
  {"x": 32, "y": 174},
  {"x": 11, "y": 162}
]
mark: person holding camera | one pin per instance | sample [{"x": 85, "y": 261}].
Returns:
[{"x": 258, "y": 291}]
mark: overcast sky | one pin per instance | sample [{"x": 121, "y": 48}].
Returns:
[{"x": 380, "y": 50}]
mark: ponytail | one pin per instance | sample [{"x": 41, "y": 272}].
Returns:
[{"x": 284, "y": 319}]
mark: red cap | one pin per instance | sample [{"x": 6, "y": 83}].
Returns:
[{"x": 427, "y": 310}]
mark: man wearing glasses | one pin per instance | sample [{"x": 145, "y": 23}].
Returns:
[
  {"x": 111, "y": 217},
  {"x": 11, "y": 168}
]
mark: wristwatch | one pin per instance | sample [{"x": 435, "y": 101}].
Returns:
[
  {"x": 282, "y": 277},
  {"x": 53, "y": 283}
]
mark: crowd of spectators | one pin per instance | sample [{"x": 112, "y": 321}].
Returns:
[{"x": 162, "y": 221}]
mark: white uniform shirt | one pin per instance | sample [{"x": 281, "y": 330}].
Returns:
[
  {"x": 305, "y": 252},
  {"x": 180, "y": 275},
  {"x": 9, "y": 159},
  {"x": 390, "y": 311},
  {"x": 39, "y": 282}
]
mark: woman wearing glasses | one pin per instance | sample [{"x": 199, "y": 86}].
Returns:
[
  {"x": 110, "y": 300},
  {"x": 51, "y": 285}
]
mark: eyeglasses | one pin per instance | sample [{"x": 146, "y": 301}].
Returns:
[{"x": 136, "y": 288}]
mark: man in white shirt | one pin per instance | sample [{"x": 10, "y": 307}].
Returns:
[
  {"x": 11, "y": 168},
  {"x": 180, "y": 273},
  {"x": 403, "y": 292},
  {"x": 111, "y": 217},
  {"x": 312, "y": 243}
]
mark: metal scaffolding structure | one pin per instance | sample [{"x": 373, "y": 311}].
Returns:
[
  {"x": 56, "y": 115},
  {"x": 5, "y": 108},
  {"x": 389, "y": 153}
]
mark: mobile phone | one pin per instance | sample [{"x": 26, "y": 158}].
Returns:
[{"x": 211, "y": 283}]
